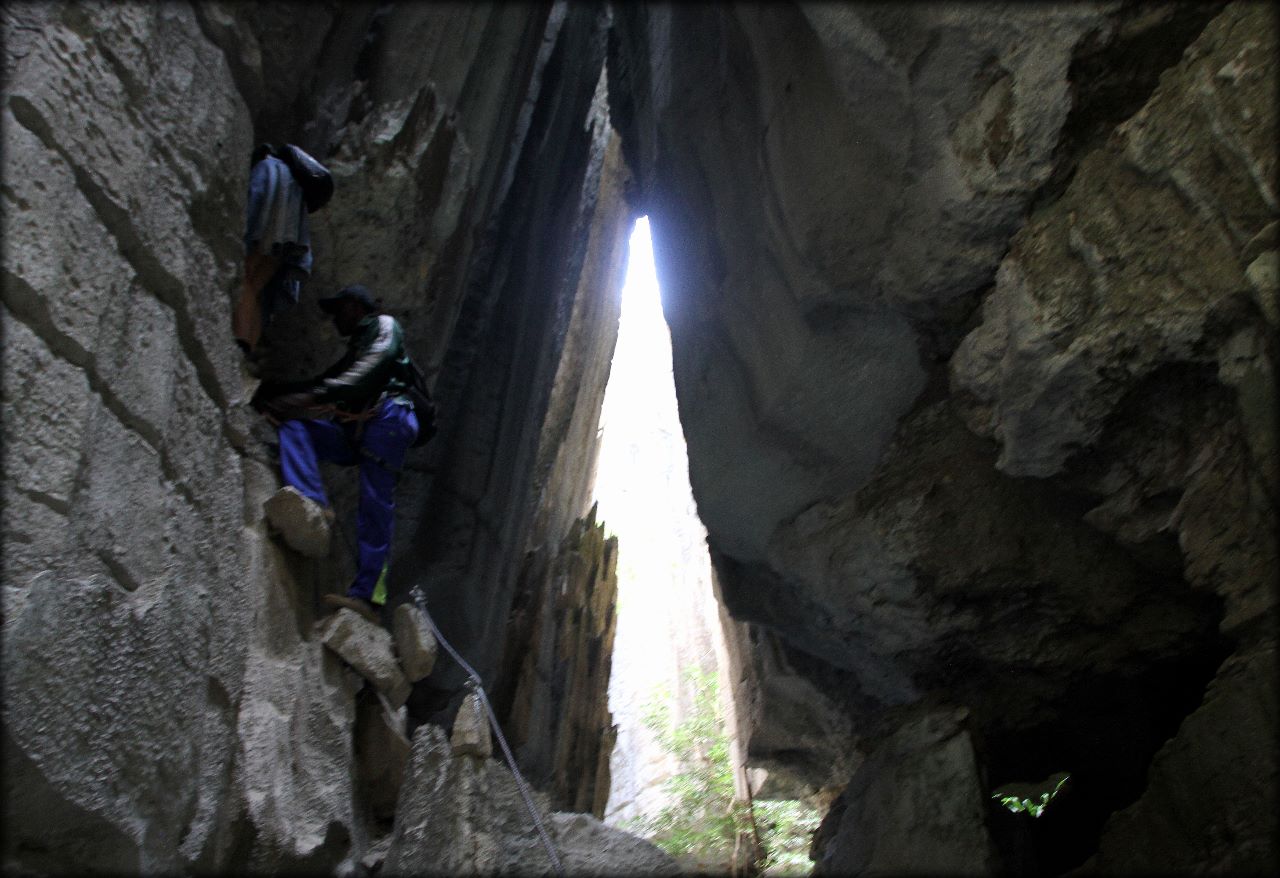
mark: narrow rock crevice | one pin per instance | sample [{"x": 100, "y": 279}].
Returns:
[
  {"x": 121, "y": 573},
  {"x": 972, "y": 311},
  {"x": 1114, "y": 70},
  {"x": 57, "y": 504}
]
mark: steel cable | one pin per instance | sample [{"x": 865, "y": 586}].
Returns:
[{"x": 477, "y": 686}]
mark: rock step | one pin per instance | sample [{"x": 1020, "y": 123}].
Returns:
[
  {"x": 368, "y": 648},
  {"x": 415, "y": 643}
]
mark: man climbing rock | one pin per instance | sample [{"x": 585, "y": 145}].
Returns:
[
  {"x": 357, "y": 413},
  {"x": 277, "y": 238}
]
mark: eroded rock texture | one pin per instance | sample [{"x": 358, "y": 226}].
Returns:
[
  {"x": 914, "y": 808},
  {"x": 464, "y": 816},
  {"x": 168, "y": 703},
  {"x": 974, "y": 331},
  {"x": 974, "y": 321},
  {"x": 126, "y": 601},
  {"x": 560, "y": 650}
]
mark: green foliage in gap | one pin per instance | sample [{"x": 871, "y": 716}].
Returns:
[
  {"x": 1032, "y": 798},
  {"x": 786, "y": 827},
  {"x": 704, "y": 823}
]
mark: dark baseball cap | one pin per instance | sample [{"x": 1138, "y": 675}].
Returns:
[{"x": 355, "y": 292}]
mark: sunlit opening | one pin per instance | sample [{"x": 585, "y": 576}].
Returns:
[
  {"x": 676, "y": 771},
  {"x": 666, "y": 612}
]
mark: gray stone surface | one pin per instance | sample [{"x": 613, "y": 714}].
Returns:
[
  {"x": 1222, "y": 754},
  {"x": 368, "y": 649},
  {"x": 72, "y": 252},
  {"x": 1069, "y": 328},
  {"x": 415, "y": 643},
  {"x": 45, "y": 407},
  {"x": 562, "y": 644},
  {"x": 299, "y": 520},
  {"x": 588, "y": 847},
  {"x": 842, "y": 196},
  {"x": 382, "y": 752},
  {"x": 466, "y": 817},
  {"x": 122, "y": 554},
  {"x": 294, "y": 759},
  {"x": 97, "y": 740},
  {"x": 834, "y": 190},
  {"x": 128, "y": 69},
  {"x": 796, "y": 735},
  {"x": 563, "y": 195},
  {"x": 123, "y": 162},
  {"x": 915, "y": 807},
  {"x": 135, "y": 477},
  {"x": 793, "y": 279},
  {"x": 453, "y": 813},
  {"x": 471, "y": 735}
]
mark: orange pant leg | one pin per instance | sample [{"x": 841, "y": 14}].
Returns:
[{"x": 246, "y": 319}]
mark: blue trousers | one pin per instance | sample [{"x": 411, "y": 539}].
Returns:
[{"x": 379, "y": 451}]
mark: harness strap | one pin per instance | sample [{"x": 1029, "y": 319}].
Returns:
[
  {"x": 357, "y": 418},
  {"x": 328, "y": 410}
]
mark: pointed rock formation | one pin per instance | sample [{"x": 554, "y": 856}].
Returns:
[
  {"x": 415, "y": 643},
  {"x": 559, "y": 653},
  {"x": 471, "y": 736}
]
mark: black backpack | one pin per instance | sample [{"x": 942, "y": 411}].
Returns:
[
  {"x": 313, "y": 177},
  {"x": 423, "y": 407}
]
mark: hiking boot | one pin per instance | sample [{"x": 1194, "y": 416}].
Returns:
[
  {"x": 304, "y": 524},
  {"x": 360, "y": 605}
]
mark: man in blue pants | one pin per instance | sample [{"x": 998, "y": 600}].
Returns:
[{"x": 356, "y": 414}]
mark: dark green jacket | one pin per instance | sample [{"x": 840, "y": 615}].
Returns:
[{"x": 375, "y": 364}]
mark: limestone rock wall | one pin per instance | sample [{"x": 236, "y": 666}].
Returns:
[
  {"x": 973, "y": 320},
  {"x": 168, "y": 706},
  {"x": 916, "y": 807},
  {"x": 519, "y": 434},
  {"x": 465, "y": 816},
  {"x": 557, "y": 663},
  {"x": 126, "y": 605}
]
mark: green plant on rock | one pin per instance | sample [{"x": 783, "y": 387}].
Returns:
[
  {"x": 786, "y": 828},
  {"x": 704, "y": 824}
]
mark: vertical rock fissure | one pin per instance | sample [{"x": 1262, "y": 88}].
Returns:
[
  {"x": 1113, "y": 73},
  {"x": 973, "y": 311}
]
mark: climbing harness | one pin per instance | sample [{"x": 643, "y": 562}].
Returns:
[
  {"x": 342, "y": 416},
  {"x": 330, "y": 411},
  {"x": 477, "y": 685}
]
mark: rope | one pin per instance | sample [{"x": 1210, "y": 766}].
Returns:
[
  {"x": 332, "y": 411},
  {"x": 477, "y": 686},
  {"x": 325, "y": 410}
]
